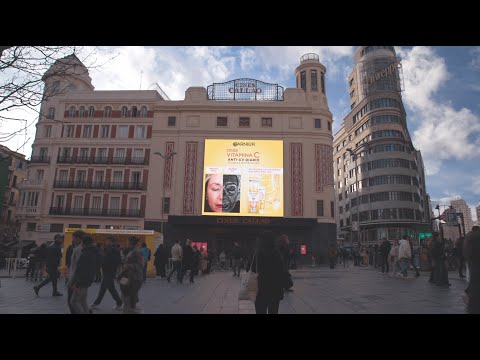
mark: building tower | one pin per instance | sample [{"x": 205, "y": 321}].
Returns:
[
  {"x": 462, "y": 207},
  {"x": 379, "y": 175}
]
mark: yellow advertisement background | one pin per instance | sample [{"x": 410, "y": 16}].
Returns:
[{"x": 266, "y": 173}]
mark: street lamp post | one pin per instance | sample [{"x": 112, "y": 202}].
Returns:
[
  {"x": 165, "y": 157},
  {"x": 353, "y": 153}
]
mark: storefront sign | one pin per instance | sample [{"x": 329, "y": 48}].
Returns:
[
  {"x": 245, "y": 89},
  {"x": 303, "y": 249}
]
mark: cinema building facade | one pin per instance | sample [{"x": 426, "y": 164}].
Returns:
[{"x": 105, "y": 159}]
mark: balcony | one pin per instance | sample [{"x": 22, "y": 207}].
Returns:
[
  {"x": 28, "y": 211},
  {"x": 101, "y": 160},
  {"x": 40, "y": 160},
  {"x": 96, "y": 212},
  {"x": 100, "y": 185}
]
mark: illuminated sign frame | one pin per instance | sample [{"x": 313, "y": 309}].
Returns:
[{"x": 245, "y": 89}]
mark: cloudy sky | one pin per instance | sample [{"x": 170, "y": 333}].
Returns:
[{"x": 442, "y": 87}]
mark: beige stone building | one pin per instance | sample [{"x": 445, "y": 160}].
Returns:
[
  {"x": 13, "y": 169},
  {"x": 94, "y": 165},
  {"x": 379, "y": 176}
]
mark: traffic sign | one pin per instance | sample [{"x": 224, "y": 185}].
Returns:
[
  {"x": 451, "y": 217},
  {"x": 424, "y": 235}
]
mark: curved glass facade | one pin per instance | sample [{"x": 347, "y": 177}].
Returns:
[{"x": 379, "y": 175}]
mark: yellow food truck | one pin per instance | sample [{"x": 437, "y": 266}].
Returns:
[{"x": 150, "y": 237}]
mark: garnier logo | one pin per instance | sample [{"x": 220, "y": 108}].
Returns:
[{"x": 244, "y": 143}]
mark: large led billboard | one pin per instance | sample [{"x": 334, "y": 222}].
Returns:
[{"x": 243, "y": 178}]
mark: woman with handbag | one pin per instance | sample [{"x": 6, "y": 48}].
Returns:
[{"x": 269, "y": 266}]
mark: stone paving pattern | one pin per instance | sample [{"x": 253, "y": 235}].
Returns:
[{"x": 319, "y": 290}]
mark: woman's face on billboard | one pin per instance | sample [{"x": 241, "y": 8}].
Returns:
[{"x": 215, "y": 192}]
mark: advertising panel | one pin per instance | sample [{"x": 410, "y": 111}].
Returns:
[{"x": 243, "y": 178}]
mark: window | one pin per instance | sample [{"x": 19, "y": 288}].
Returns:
[
  {"x": 63, "y": 175},
  {"x": 105, "y": 131},
  {"x": 31, "y": 226},
  {"x": 51, "y": 113},
  {"x": 137, "y": 156},
  {"x": 81, "y": 111},
  {"x": 352, "y": 93},
  {"x": 78, "y": 202},
  {"x": 133, "y": 204},
  {"x": 59, "y": 201},
  {"x": 97, "y": 202},
  {"x": 70, "y": 130},
  {"x": 322, "y": 81},
  {"x": 172, "y": 121},
  {"x": 134, "y": 111},
  {"x": 48, "y": 131},
  {"x": 352, "y": 106},
  {"x": 83, "y": 154},
  {"x": 319, "y": 208},
  {"x": 143, "y": 111},
  {"x": 124, "y": 111},
  {"x": 222, "y": 121},
  {"x": 166, "y": 205},
  {"x": 107, "y": 112},
  {"x": 58, "y": 228},
  {"x": 32, "y": 198},
  {"x": 39, "y": 175},
  {"x": 91, "y": 111},
  {"x": 303, "y": 80},
  {"x": 350, "y": 82},
  {"x": 87, "y": 131},
  {"x": 136, "y": 178},
  {"x": 99, "y": 178},
  {"x": 266, "y": 122},
  {"x": 341, "y": 222},
  {"x": 318, "y": 123},
  {"x": 115, "y": 203},
  {"x": 332, "y": 209},
  {"x": 93, "y": 226},
  {"x": 119, "y": 156},
  {"x": 340, "y": 210},
  {"x": 71, "y": 112},
  {"x": 329, "y": 124},
  {"x": 81, "y": 176},
  {"x": 313, "y": 79},
  {"x": 140, "y": 132},
  {"x": 122, "y": 132},
  {"x": 244, "y": 122},
  {"x": 102, "y": 153},
  {"x": 43, "y": 153}
]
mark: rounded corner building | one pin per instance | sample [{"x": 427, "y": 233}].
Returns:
[{"x": 379, "y": 175}]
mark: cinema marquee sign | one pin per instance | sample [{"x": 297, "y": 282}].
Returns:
[
  {"x": 387, "y": 71},
  {"x": 245, "y": 89}
]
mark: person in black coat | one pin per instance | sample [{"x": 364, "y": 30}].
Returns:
[
  {"x": 111, "y": 261},
  {"x": 268, "y": 264},
  {"x": 161, "y": 259},
  {"x": 472, "y": 255},
  {"x": 53, "y": 257},
  {"x": 187, "y": 260},
  {"x": 84, "y": 276}
]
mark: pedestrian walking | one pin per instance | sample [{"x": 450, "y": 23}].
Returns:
[
  {"x": 53, "y": 257},
  {"x": 160, "y": 261},
  {"x": 111, "y": 261},
  {"x": 131, "y": 277},
  {"x": 77, "y": 237},
  {"x": 177, "y": 254}
]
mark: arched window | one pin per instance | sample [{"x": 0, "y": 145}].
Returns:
[
  {"x": 134, "y": 111},
  {"x": 322, "y": 81},
  {"x": 107, "y": 112},
  {"x": 81, "y": 111},
  {"x": 143, "y": 111},
  {"x": 51, "y": 113},
  {"x": 71, "y": 112},
  {"x": 91, "y": 111},
  {"x": 124, "y": 111}
]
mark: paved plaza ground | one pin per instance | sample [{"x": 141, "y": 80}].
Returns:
[{"x": 318, "y": 290}]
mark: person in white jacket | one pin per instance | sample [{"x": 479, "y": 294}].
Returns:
[{"x": 404, "y": 255}]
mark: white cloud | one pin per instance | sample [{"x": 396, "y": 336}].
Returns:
[
  {"x": 247, "y": 59},
  {"x": 443, "y": 132},
  {"x": 475, "y": 62},
  {"x": 476, "y": 185}
]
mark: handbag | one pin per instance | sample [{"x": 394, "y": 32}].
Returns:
[{"x": 249, "y": 284}]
